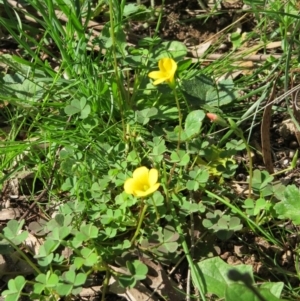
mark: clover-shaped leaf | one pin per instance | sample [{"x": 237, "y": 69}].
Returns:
[
  {"x": 144, "y": 116},
  {"x": 15, "y": 287},
  {"x": 289, "y": 206},
  {"x": 71, "y": 282},
  {"x": 137, "y": 269},
  {"x": 13, "y": 231},
  {"x": 77, "y": 106},
  {"x": 180, "y": 157},
  {"x": 48, "y": 280},
  {"x": 261, "y": 182},
  {"x": 223, "y": 225}
]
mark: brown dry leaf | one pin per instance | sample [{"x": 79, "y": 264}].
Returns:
[
  {"x": 199, "y": 50},
  {"x": 4, "y": 131},
  {"x": 32, "y": 244},
  {"x": 9, "y": 213},
  {"x": 138, "y": 293},
  {"x": 273, "y": 45},
  {"x": 265, "y": 134},
  {"x": 159, "y": 281},
  {"x": 243, "y": 67},
  {"x": 296, "y": 111}
]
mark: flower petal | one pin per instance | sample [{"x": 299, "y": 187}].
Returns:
[
  {"x": 140, "y": 193},
  {"x": 129, "y": 185},
  {"x": 141, "y": 173},
  {"x": 152, "y": 188},
  {"x": 152, "y": 177},
  {"x": 160, "y": 80},
  {"x": 167, "y": 65},
  {"x": 156, "y": 74}
]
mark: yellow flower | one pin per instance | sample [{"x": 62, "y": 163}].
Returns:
[
  {"x": 167, "y": 68},
  {"x": 143, "y": 182}
]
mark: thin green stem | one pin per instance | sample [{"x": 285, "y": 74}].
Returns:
[
  {"x": 250, "y": 165},
  {"x": 179, "y": 117},
  {"x": 155, "y": 208},
  {"x": 144, "y": 209},
  {"x": 194, "y": 270},
  {"x": 121, "y": 92},
  {"x": 22, "y": 254},
  {"x": 239, "y": 133}
]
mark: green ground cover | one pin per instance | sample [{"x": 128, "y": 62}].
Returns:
[{"x": 133, "y": 151}]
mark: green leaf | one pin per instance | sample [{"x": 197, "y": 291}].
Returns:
[
  {"x": 174, "y": 49},
  {"x": 236, "y": 40},
  {"x": 184, "y": 65},
  {"x": 201, "y": 90},
  {"x": 137, "y": 269},
  {"x": 73, "y": 108},
  {"x": 130, "y": 8},
  {"x": 261, "y": 182},
  {"x": 193, "y": 123},
  {"x": 47, "y": 248},
  {"x": 5, "y": 247},
  {"x": 89, "y": 231},
  {"x": 49, "y": 280},
  {"x": 215, "y": 274},
  {"x": 90, "y": 256},
  {"x": 64, "y": 289},
  {"x": 77, "y": 106},
  {"x": 126, "y": 281},
  {"x": 289, "y": 206},
  {"x": 12, "y": 232},
  {"x": 80, "y": 279},
  {"x": 274, "y": 287},
  {"x": 15, "y": 287},
  {"x": 58, "y": 234},
  {"x": 238, "y": 291},
  {"x": 180, "y": 157},
  {"x": 144, "y": 116}
]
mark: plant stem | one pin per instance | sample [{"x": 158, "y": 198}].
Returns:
[
  {"x": 144, "y": 209},
  {"x": 194, "y": 271},
  {"x": 239, "y": 133},
  {"x": 179, "y": 117},
  {"x": 33, "y": 266},
  {"x": 250, "y": 165}
]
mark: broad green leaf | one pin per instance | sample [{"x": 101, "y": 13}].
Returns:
[
  {"x": 202, "y": 90},
  {"x": 238, "y": 291},
  {"x": 289, "y": 206},
  {"x": 215, "y": 274},
  {"x": 174, "y": 49},
  {"x": 274, "y": 287},
  {"x": 130, "y": 8},
  {"x": 193, "y": 123}
]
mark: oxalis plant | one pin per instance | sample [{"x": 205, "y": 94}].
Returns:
[
  {"x": 143, "y": 193},
  {"x": 85, "y": 238}
]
